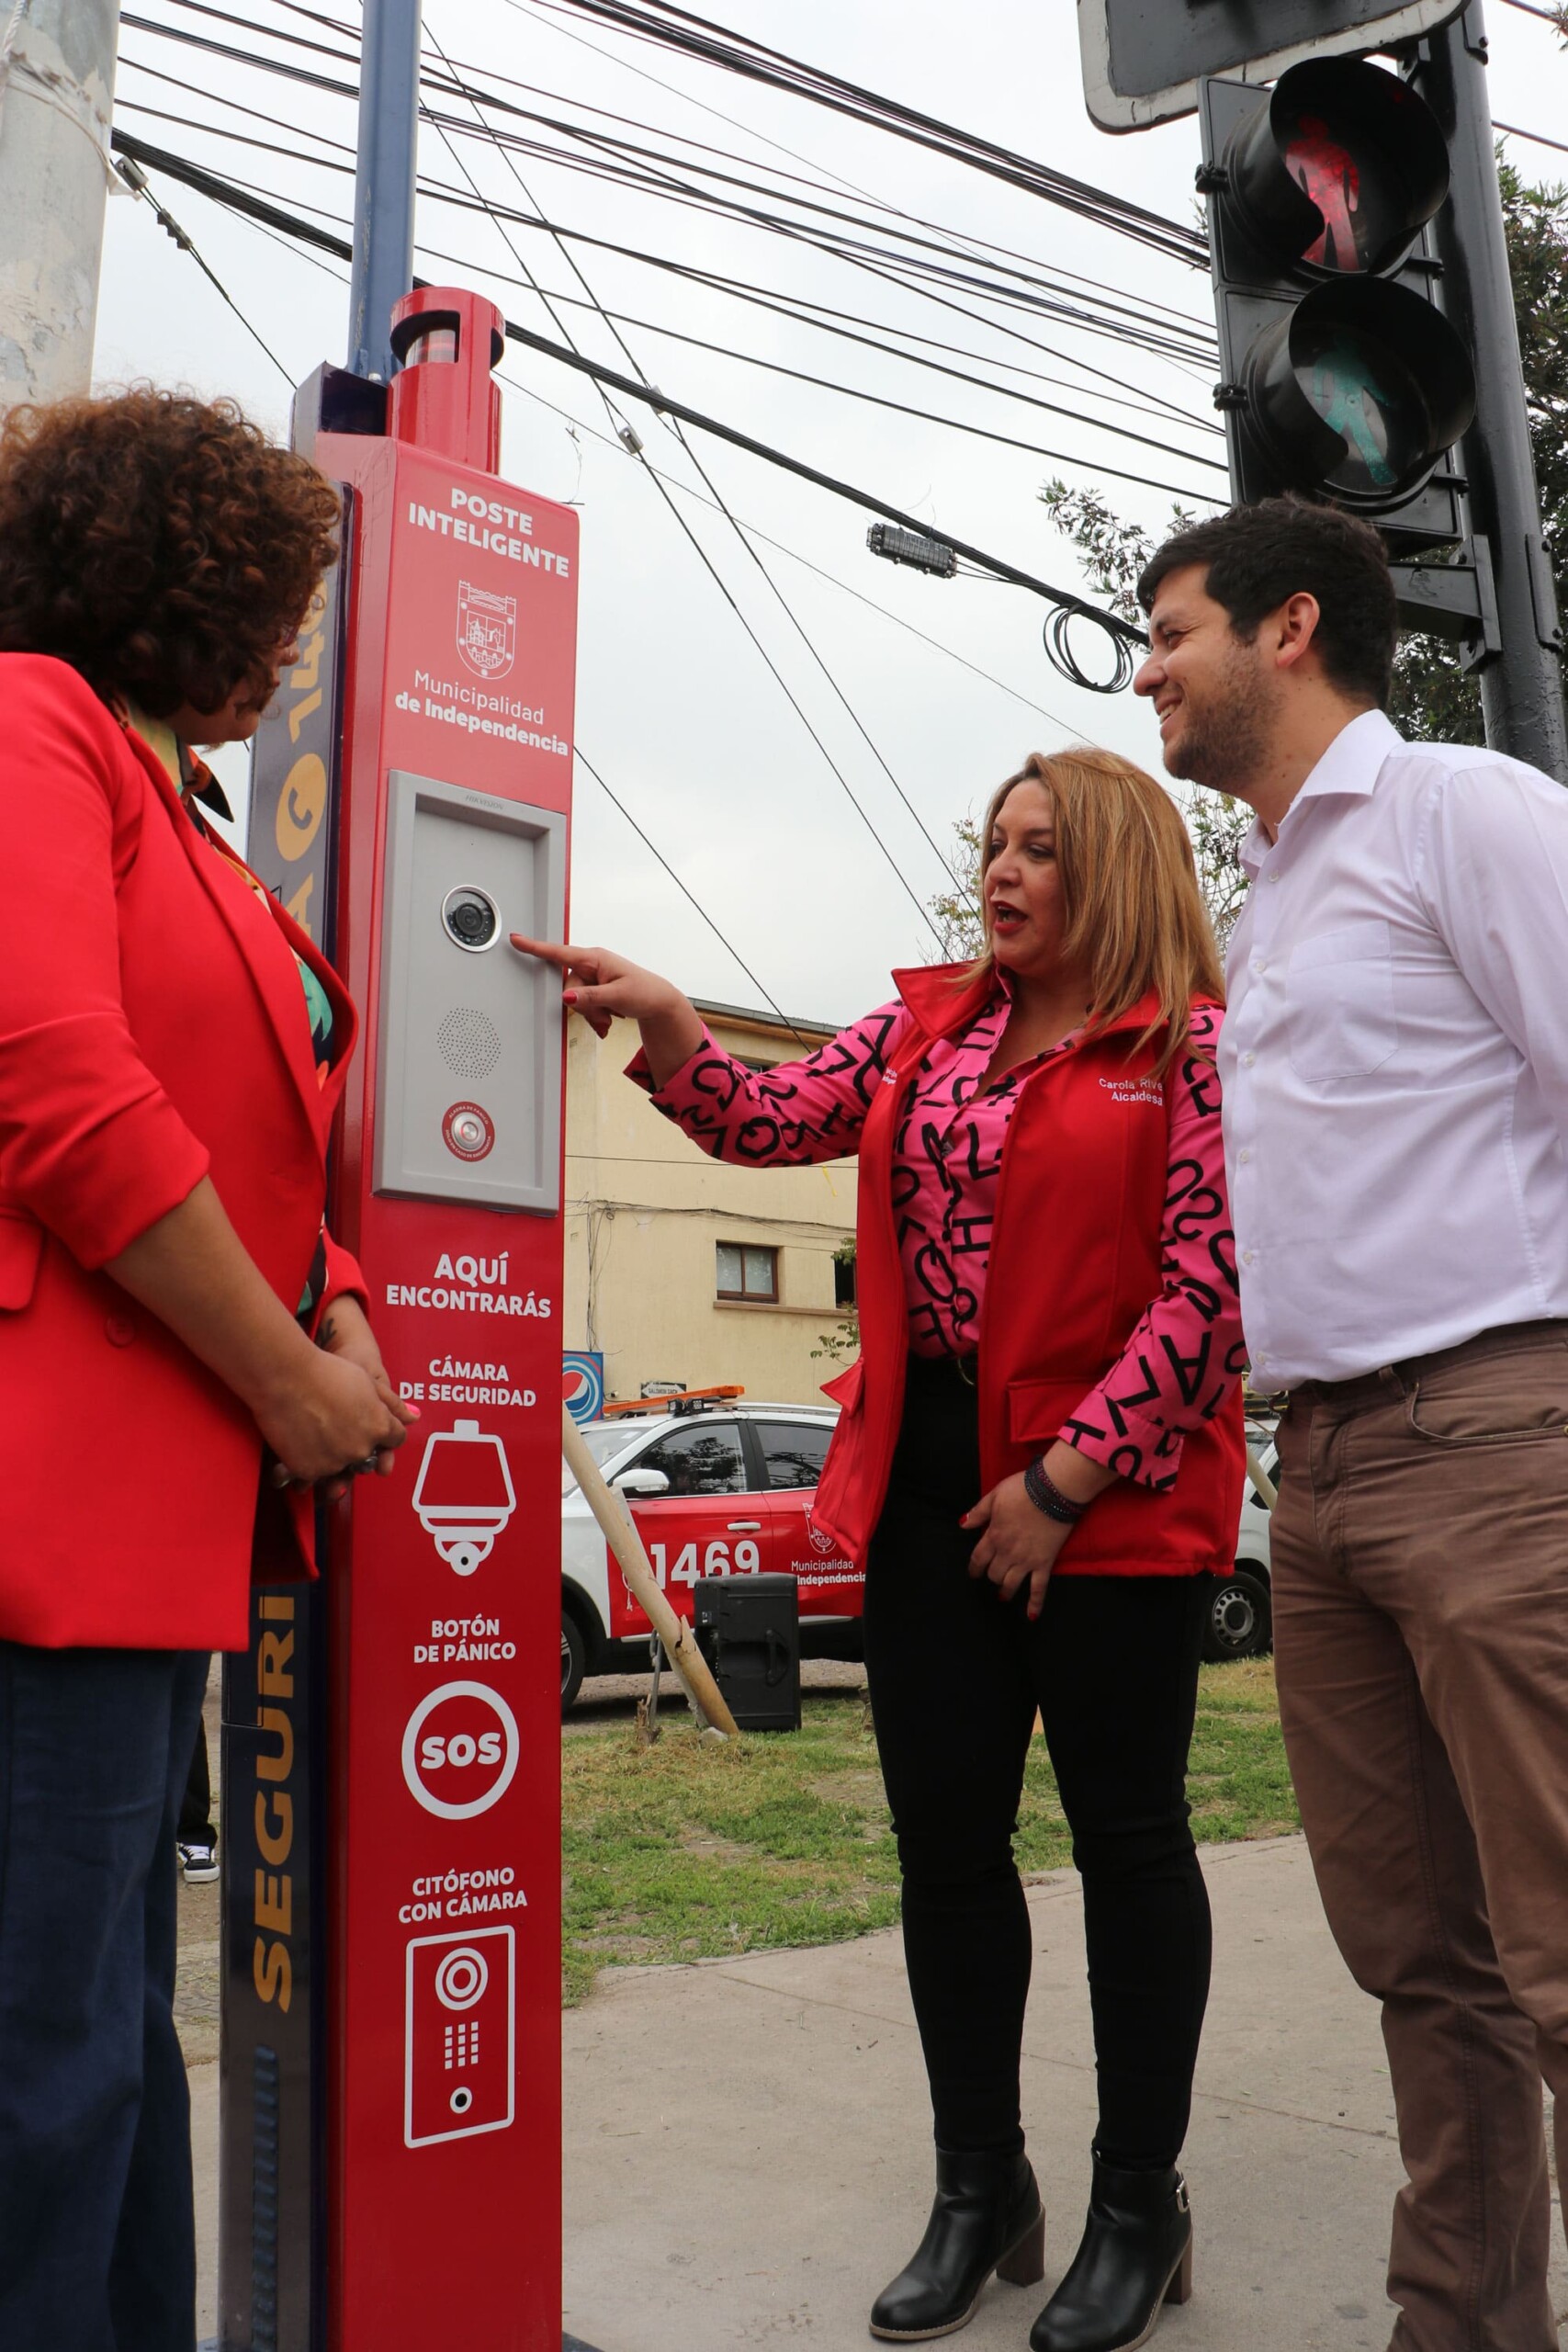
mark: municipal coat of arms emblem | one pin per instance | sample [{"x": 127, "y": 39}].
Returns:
[{"x": 487, "y": 630}]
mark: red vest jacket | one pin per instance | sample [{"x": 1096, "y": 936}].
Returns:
[
  {"x": 153, "y": 1031},
  {"x": 1075, "y": 1261}
]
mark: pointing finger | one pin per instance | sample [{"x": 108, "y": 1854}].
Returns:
[{"x": 565, "y": 957}]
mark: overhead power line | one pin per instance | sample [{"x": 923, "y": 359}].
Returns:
[
  {"x": 631, "y": 441},
  {"x": 136, "y": 180},
  {"x": 694, "y": 417},
  {"x": 806, "y": 309},
  {"x": 476, "y": 201},
  {"x": 223, "y": 191},
  {"x": 239, "y": 196},
  {"x": 1533, "y": 136},
  {"x": 612, "y": 442},
  {"x": 715, "y": 44},
  {"x": 924, "y": 262},
  {"x": 658, "y": 854},
  {"x": 473, "y": 201}
]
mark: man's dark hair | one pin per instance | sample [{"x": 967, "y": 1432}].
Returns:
[
  {"x": 158, "y": 543},
  {"x": 1257, "y": 557}
]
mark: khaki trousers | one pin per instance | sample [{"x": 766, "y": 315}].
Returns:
[{"x": 1420, "y": 1566}]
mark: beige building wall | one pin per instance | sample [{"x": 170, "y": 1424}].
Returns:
[{"x": 646, "y": 1211}]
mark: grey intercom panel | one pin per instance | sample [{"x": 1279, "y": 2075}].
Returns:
[{"x": 468, "y": 1090}]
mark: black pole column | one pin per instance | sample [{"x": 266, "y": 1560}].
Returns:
[{"x": 1521, "y": 687}]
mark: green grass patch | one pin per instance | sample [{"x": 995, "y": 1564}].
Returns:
[{"x": 691, "y": 1850}]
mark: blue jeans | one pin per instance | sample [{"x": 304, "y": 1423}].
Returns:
[{"x": 97, "y": 2240}]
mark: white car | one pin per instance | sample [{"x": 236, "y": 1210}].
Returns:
[
  {"x": 726, "y": 1489},
  {"x": 1240, "y": 1620},
  {"x": 716, "y": 1490}
]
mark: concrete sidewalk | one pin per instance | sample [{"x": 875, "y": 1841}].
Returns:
[
  {"x": 747, "y": 2143},
  {"x": 748, "y": 2159}
]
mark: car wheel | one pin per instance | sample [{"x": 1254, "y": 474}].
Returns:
[
  {"x": 573, "y": 1660},
  {"x": 1238, "y": 1622}
]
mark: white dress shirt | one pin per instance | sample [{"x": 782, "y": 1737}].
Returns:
[{"x": 1395, "y": 1059}]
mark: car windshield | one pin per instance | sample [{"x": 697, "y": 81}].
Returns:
[{"x": 604, "y": 1441}]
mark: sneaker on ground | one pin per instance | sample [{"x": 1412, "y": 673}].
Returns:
[{"x": 198, "y": 1864}]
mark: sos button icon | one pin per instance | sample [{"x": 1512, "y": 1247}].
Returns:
[{"x": 460, "y": 1750}]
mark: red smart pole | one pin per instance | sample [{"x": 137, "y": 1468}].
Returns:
[{"x": 391, "y": 2157}]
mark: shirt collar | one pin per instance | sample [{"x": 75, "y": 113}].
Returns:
[
  {"x": 191, "y": 776},
  {"x": 1349, "y": 768}
]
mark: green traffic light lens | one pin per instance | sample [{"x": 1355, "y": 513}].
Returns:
[
  {"x": 1358, "y": 391},
  {"x": 1369, "y": 401}
]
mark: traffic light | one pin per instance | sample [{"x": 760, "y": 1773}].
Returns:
[{"x": 1341, "y": 378}]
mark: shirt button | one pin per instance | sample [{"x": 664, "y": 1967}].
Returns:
[
  {"x": 1242, "y": 1157},
  {"x": 1249, "y": 1059},
  {"x": 1272, "y": 875},
  {"x": 1247, "y": 1256},
  {"x": 118, "y": 1331},
  {"x": 1260, "y": 968}
]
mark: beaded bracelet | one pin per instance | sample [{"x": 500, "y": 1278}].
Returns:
[{"x": 1047, "y": 1497}]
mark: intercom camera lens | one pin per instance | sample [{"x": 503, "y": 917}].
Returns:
[{"x": 471, "y": 919}]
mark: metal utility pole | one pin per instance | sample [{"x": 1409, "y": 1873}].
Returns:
[
  {"x": 56, "y": 63},
  {"x": 384, "y": 182},
  {"x": 1521, "y": 687}
]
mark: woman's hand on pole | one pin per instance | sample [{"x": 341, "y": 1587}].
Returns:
[
  {"x": 601, "y": 985},
  {"x": 1018, "y": 1544},
  {"x": 327, "y": 1418},
  {"x": 345, "y": 1332}
]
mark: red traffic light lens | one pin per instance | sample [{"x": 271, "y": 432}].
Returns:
[{"x": 1339, "y": 169}]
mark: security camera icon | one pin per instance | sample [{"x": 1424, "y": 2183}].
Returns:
[{"x": 464, "y": 1494}]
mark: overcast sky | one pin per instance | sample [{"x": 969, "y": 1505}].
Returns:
[{"x": 675, "y": 706}]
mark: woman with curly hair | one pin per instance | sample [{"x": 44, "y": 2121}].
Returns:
[{"x": 185, "y": 1358}]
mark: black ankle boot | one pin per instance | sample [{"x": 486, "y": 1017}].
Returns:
[
  {"x": 987, "y": 2216},
  {"x": 1135, "y": 2256}
]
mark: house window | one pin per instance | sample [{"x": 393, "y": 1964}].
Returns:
[
  {"x": 748, "y": 1272},
  {"x": 844, "y": 1276}
]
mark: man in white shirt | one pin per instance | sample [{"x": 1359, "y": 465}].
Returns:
[{"x": 1395, "y": 1070}]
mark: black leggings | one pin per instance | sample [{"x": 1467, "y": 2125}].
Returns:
[{"x": 955, "y": 1677}]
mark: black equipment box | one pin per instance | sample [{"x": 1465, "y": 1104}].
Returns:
[{"x": 749, "y": 1630}]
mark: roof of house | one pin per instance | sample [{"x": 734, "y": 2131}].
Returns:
[{"x": 770, "y": 1024}]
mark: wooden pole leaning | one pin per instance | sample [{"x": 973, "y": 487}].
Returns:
[
  {"x": 1268, "y": 1494},
  {"x": 679, "y": 1642}
]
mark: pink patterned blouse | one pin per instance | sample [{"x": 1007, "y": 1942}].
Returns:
[{"x": 1182, "y": 1359}]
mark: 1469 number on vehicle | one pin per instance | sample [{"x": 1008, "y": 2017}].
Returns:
[{"x": 716, "y": 1561}]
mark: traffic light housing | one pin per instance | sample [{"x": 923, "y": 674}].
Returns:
[{"x": 1341, "y": 378}]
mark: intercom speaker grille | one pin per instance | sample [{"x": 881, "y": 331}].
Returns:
[{"x": 470, "y": 1041}]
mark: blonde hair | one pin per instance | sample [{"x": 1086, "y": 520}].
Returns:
[{"x": 1134, "y": 916}]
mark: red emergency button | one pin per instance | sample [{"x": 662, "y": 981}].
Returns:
[{"x": 467, "y": 1131}]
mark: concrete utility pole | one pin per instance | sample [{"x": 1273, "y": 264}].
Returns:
[
  {"x": 384, "y": 182},
  {"x": 56, "y": 63}
]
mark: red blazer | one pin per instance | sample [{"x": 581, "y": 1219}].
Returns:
[
  {"x": 153, "y": 1031},
  {"x": 1075, "y": 1261}
]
